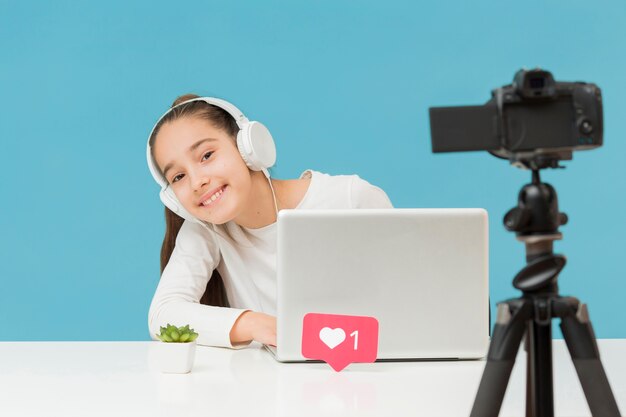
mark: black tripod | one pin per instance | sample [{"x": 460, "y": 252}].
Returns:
[{"x": 536, "y": 220}]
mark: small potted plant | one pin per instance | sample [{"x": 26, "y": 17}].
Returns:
[{"x": 177, "y": 353}]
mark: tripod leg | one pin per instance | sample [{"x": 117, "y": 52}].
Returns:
[
  {"x": 539, "y": 397},
  {"x": 583, "y": 349},
  {"x": 505, "y": 342}
]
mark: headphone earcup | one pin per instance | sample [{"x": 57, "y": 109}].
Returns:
[
  {"x": 256, "y": 146},
  {"x": 171, "y": 202},
  {"x": 243, "y": 151}
]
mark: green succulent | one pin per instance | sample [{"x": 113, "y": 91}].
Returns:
[{"x": 177, "y": 334}]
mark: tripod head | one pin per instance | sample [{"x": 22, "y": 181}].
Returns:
[
  {"x": 536, "y": 221},
  {"x": 537, "y": 212}
]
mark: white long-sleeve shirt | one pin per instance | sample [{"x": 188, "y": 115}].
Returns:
[{"x": 246, "y": 260}]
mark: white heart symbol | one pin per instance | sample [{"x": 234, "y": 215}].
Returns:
[{"x": 332, "y": 337}]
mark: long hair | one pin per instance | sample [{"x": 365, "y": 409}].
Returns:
[{"x": 215, "y": 293}]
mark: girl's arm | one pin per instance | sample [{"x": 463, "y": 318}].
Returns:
[
  {"x": 182, "y": 284},
  {"x": 252, "y": 325}
]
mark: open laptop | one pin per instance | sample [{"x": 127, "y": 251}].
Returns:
[{"x": 422, "y": 273}]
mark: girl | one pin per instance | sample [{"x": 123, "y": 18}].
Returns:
[{"x": 218, "y": 258}]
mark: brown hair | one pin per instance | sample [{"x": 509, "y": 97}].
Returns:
[{"x": 215, "y": 293}]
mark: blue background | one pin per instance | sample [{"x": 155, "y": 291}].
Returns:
[{"x": 344, "y": 86}]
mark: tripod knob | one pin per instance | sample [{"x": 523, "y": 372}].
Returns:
[
  {"x": 539, "y": 273},
  {"x": 563, "y": 218},
  {"x": 516, "y": 219}
]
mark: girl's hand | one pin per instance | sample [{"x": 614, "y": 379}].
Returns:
[
  {"x": 252, "y": 325},
  {"x": 264, "y": 328}
]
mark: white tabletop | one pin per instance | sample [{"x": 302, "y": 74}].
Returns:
[{"x": 121, "y": 379}]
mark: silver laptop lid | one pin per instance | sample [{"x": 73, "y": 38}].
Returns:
[{"x": 423, "y": 273}]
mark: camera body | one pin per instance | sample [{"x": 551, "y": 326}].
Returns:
[{"x": 533, "y": 122}]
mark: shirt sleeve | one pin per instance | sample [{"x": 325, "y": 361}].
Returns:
[
  {"x": 365, "y": 195},
  {"x": 182, "y": 284}
]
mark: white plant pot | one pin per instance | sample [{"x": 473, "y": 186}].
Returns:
[{"x": 176, "y": 358}]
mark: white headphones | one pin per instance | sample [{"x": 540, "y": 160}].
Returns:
[{"x": 254, "y": 142}]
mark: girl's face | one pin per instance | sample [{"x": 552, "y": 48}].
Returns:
[{"x": 198, "y": 161}]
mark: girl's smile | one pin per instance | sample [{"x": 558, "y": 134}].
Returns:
[{"x": 211, "y": 200}]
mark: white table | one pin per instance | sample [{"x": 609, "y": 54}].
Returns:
[{"x": 120, "y": 379}]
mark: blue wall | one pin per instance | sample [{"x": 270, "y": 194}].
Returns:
[{"x": 344, "y": 86}]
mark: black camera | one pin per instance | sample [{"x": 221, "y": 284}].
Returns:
[{"x": 534, "y": 122}]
